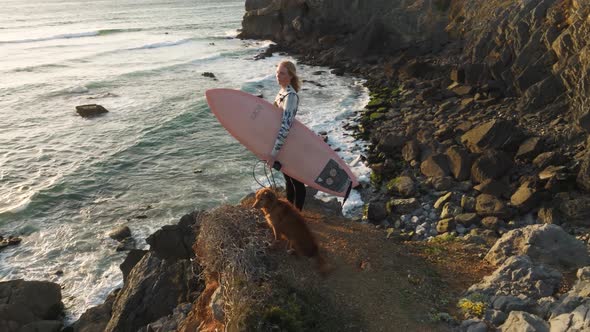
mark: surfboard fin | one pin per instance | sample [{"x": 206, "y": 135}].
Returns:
[{"x": 347, "y": 193}]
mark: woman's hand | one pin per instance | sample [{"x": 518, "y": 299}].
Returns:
[{"x": 272, "y": 162}]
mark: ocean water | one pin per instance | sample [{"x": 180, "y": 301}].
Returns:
[{"x": 159, "y": 153}]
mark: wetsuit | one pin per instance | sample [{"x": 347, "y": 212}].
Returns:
[{"x": 288, "y": 100}]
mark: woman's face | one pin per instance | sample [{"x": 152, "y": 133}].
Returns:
[{"x": 283, "y": 76}]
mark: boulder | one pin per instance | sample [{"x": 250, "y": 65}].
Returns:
[
  {"x": 551, "y": 158},
  {"x": 40, "y": 298},
  {"x": 459, "y": 162},
  {"x": 574, "y": 208},
  {"x": 403, "y": 205},
  {"x": 376, "y": 211},
  {"x": 133, "y": 257},
  {"x": 450, "y": 210},
  {"x": 441, "y": 183},
  {"x": 445, "y": 225},
  {"x": 494, "y": 187},
  {"x": 495, "y": 134},
  {"x": 435, "y": 165},
  {"x": 526, "y": 197},
  {"x": 468, "y": 203},
  {"x": 577, "y": 320},
  {"x": 90, "y": 110},
  {"x": 546, "y": 244},
  {"x": 519, "y": 276},
  {"x": 490, "y": 165},
  {"x": 467, "y": 219},
  {"x": 411, "y": 150},
  {"x": 392, "y": 143},
  {"x": 488, "y": 205},
  {"x": 548, "y": 215},
  {"x": 402, "y": 185},
  {"x": 174, "y": 241},
  {"x": 493, "y": 223},
  {"x": 529, "y": 149},
  {"x": 520, "y": 321},
  {"x": 95, "y": 319},
  {"x": 154, "y": 288}
]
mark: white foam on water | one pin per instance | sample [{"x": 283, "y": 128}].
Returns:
[{"x": 163, "y": 44}]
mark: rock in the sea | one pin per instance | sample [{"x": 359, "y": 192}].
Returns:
[
  {"x": 547, "y": 244},
  {"x": 209, "y": 74},
  {"x": 120, "y": 233},
  {"x": 90, "y": 110}
]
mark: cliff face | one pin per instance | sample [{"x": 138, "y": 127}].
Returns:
[
  {"x": 532, "y": 49},
  {"x": 536, "y": 49},
  {"x": 364, "y": 26}
]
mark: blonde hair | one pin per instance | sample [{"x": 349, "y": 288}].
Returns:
[{"x": 295, "y": 82}]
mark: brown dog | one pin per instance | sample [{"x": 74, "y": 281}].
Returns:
[{"x": 287, "y": 223}]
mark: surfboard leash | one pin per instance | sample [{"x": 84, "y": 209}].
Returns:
[{"x": 270, "y": 180}]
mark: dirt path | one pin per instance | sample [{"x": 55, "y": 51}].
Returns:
[{"x": 378, "y": 284}]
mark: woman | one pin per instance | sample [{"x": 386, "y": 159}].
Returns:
[{"x": 288, "y": 100}]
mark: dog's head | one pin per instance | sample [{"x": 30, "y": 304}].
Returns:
[{"x": 265, "y": 197}]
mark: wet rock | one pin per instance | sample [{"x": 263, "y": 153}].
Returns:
[
  {"x": 488, "y": 205},
  {"x": 459, "y": 162},
  {"x": 523, "y": 321},
  {"x": 495, "y": 134},
  {"x": 90, "y": 110},
  {"x": 435, "y": 166},
  {"x": 120, "y": 233},
  {"x": 490, "y": 165},
  {"x": 126, "y": 244},
  {"x": 209, "y": 74},
  {"x": 547, "y": 244}
]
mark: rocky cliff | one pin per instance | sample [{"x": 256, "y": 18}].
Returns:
[{"x": 535, "y": 50}]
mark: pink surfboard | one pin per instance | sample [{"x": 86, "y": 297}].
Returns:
[{"x": 304, "y": 156}]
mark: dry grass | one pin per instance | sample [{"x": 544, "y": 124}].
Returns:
[{"x": 230, "y": 248}]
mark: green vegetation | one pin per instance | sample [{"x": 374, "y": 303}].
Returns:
[{"x": 473, "y": 305}]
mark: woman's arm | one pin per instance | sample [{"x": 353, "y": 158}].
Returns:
[{"x": 291, "y": 102}]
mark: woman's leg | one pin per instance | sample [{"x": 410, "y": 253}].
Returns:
[{"x": 295, "y": 192}]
